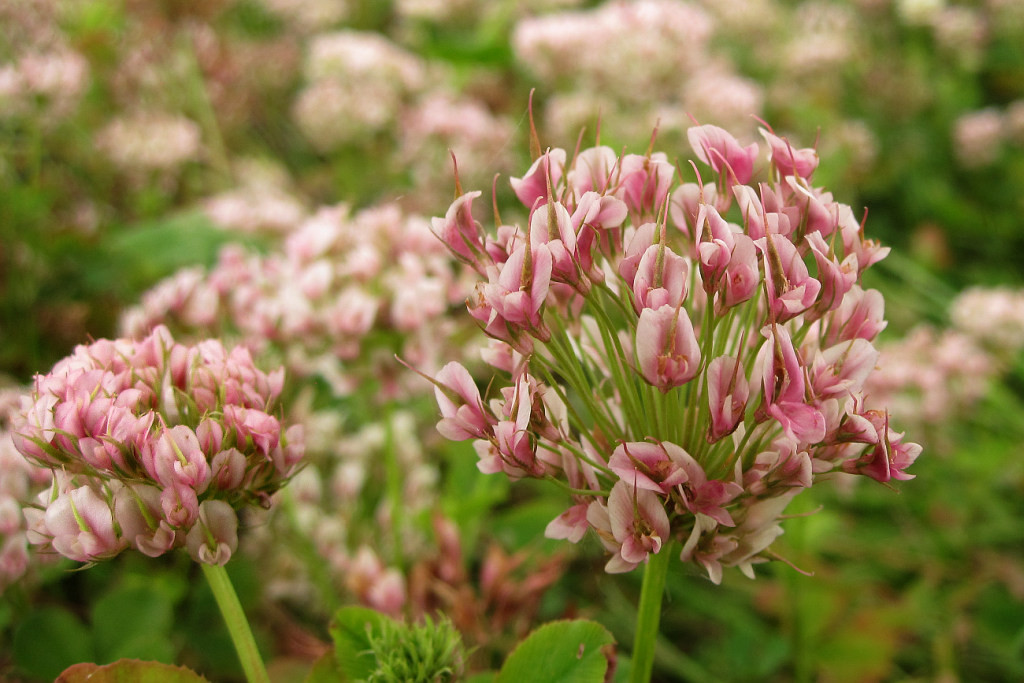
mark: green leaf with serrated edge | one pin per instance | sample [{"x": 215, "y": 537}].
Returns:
[
  {"x": 351, "y": 643},
  {"x": 560, "y": 652},
  {"x": 49, "y": 640},
  {"x": 129, "y": 671}
]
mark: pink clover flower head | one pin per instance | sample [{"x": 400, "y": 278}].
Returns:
[
  {"x": 458, "y": 230},
  {"x": 147, "y": 435},
  {"x": 887, "y": 456},
  {"x": 728, "y": 392},
  {"x": 660, "y": 279},
  {"x": 836, "y": 278},
  {"x": 644, "y": 183},
  {"x": 570, "y": 525},
  {"x": 592, "y": 171},
  {"x": 790, "y": 288},
  {"x": 859, "y": 316},
  {"x": 534, "y": 185},
  {"x": 682, "y": 381},
  {"x": 638, "y": 525},
  {"x": 649, "y": 466},
  {"x": 717, "y": 148},
  {"x": 178, "y": 459},
  {"x": 215, "y": 537},
  {"x": 787, "y": 160},
  {"x": 518, "y": 293},
  {"x": 667, "y": 352},
  {"x": 463, "y": 413},
  {"x": 685, "y": 204},
  {"x": 785, "y": 389},
  {"x": 992, "y": 317},
  {"x": 551, "y": 228},
  {"x": 339, "y": 276},
  {"x": 78, "y": 524}
]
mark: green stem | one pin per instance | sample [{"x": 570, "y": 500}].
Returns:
[
  {"x": 238, "y": 626},
  {"x": 203, "y": 110},
  {"x": 395, "y": 483},
  {"x": 796, "y": 531},
  {"x": 315, "y": 563},
  {"x": 36, "y": 154},
  {"x": 649, "y": 614}
]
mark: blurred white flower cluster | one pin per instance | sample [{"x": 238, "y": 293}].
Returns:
[
  {"x": 636, "y": 63},
  {"x": 356, "y": 85},
  {"x": 42, "y": 76}
]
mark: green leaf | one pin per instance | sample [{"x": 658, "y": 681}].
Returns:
[
  {"x": 134, "y": 257},
  {"x": 295, "y": 669},
  {"x": 6, "y": 615},
  {"x": 560, "y": 652},
  {"x": 350, "y": 632},
  {"x": 49, "y": 640},
  {"x": 133, "y": 622},
  {"x": 525, "y": 523},
  {"x": 469, "y": 495},
  {"x": 325, "y": 670},
  {"x": 129, "y": 671}
]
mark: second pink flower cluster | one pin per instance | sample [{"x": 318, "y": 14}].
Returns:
[{"x": 154, "y": 445}]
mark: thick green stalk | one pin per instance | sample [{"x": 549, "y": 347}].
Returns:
[
  {"x": 649, "y": 614},
  {"x": 395, "y": 482},
  {"x": 238, "y": 625}
]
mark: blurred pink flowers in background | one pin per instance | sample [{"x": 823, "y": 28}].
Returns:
[{"x": 337, "y": 278}]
